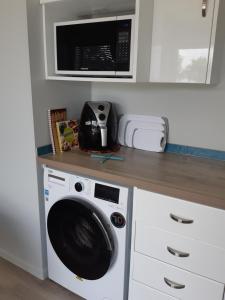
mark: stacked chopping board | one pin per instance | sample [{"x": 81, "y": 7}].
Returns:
[{"x": 148, "y": 133}]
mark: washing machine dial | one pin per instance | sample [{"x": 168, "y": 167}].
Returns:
[
  {"x": 118, "y": 220},
  {"x": 79, "y": 186}
]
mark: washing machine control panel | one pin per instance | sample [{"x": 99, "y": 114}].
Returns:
[{"x": 102, "y": 194}]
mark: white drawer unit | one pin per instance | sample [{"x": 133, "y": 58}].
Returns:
[
  {"x": 143, "y": 292},
  {"x": 178, "y": 249},
  {"x": 182, "y": 217},
  {"x": 174, "y": 281},
  {"x": 189, "y": 254}
]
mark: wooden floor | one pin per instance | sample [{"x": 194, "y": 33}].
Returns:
[{"x": 16, "y": 284}]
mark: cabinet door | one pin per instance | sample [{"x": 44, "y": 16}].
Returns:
[{"x": 181, "y": 40}]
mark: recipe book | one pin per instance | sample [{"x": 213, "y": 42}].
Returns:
[
  {"x": 55, "y": 115},
  {"x": 67, "y": 132}
]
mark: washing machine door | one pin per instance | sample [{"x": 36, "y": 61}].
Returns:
[{"x": 80, "y": 238}]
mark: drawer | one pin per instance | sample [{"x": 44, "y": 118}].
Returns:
[
  {"x": 186, "y": 253},
  {"x": 142, "y": 292},
  {"x": 174, "y": 281},
  {"x": 181, "y": 217}
]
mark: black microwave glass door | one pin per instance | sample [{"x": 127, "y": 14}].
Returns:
[
  {"x": 100, "y": 46},
  {"x": 80, "y": 239}
]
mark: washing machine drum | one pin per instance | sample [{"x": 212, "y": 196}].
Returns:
[{"x": 80, "y": 238}]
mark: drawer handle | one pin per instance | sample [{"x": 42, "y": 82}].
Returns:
[
  {"x": 181, "y": 220},
  {"x": 177, "y": 253},
  {"x": 174, "y": 285},
  {"x": 204, "y": 8}
]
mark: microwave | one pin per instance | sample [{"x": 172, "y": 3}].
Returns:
[{"x": 95, "y": 47}]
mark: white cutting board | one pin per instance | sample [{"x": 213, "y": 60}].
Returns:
[
  {"x": 136, "y": 124},
  {"x": 123, "y": 122},
  {"x": 149, "y": 140}
]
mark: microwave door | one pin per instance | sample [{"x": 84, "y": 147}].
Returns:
[{"x": 87, "y": 48}]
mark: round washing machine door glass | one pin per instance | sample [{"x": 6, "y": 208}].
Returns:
[{"x": 80, "y": 238}]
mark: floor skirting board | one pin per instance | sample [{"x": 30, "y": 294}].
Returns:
[{"x": 37, "y": 272}]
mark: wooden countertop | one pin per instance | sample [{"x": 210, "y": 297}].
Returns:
[{"x": 189, "y": 178}]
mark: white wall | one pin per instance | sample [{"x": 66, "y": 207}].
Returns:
[
  {"x": 49, "y": 94},
  {"x": 20, "y": 237},
  {"x": 196, "y": 113}
]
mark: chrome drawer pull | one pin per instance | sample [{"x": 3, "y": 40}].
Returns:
[
  {"x": 181, "y": 220},
  {"x": 173, "y": 284},
  {"x": 204, "y": 8},
  {"x": 177, "y": 253}
]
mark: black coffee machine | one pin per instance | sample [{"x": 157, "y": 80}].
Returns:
[{"x": 98, "y": 127}]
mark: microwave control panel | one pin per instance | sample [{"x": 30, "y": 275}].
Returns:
[{"x": 123, "y": 47}]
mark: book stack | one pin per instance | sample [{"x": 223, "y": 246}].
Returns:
[
  {"x": 54, "y": 116},
  {"x": 63, "y": 132}
]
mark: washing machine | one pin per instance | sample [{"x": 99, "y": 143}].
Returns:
[{"x": 88, "y": 235}]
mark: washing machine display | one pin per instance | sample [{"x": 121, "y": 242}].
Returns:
[
  {"x": 88, "y": 234},
  {"x": 80, "y": 238},
  {"x": 107, "y": 193}
]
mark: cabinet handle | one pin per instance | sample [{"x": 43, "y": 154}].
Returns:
[
  {"x": 181, "y": 220},
  {"x": 174, "y": 285},
  {"x": 204, "y": 8},
  {"x": 177, "y": 252}
]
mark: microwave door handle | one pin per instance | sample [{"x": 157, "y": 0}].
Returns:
[{"x": 104, "y": 136}]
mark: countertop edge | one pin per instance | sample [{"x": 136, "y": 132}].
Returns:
[{"x": 194, "y": 197}]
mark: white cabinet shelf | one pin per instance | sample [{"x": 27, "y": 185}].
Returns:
[
  {"x": 90, "y": 79},
  {"x": 70, "y": 10},
  {"x": 49, "y": 1}
]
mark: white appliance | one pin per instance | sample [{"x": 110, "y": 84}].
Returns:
[
  {"x": 95, "y": 47},
  {"x": 88, "y": 235}
]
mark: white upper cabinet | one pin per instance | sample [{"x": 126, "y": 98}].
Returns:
[
  {"x": 183, "y": 40},
  {"x": 71, "y": 12},
  {"x": 173, "y": 41}
]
